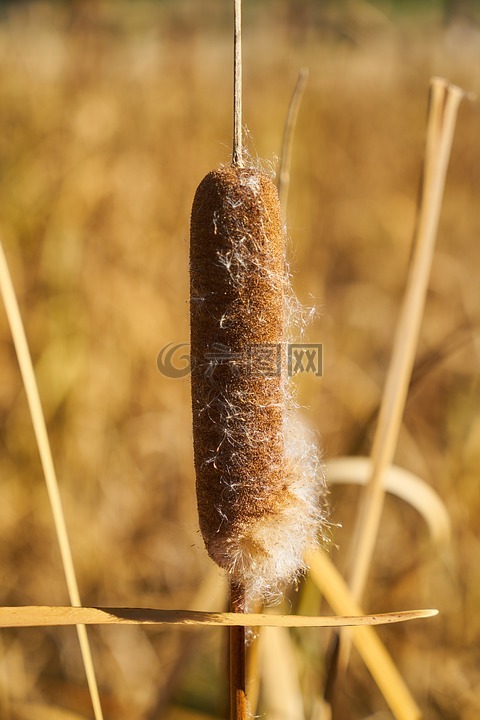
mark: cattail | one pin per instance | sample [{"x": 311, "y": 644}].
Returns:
[{"x": 257, "y": 477}]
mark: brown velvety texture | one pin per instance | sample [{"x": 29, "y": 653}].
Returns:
[{"x": 237, "y": 271}]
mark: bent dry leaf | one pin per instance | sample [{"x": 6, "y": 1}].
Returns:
[{"x": 404, "y": 485}]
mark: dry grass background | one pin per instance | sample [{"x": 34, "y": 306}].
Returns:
[{"x": 110, "y": 116}]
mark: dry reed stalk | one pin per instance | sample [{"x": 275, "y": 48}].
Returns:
[
  {"x": 41, "y": 436},
  {"x": 443, "y": 106},
  {"x": 368, "y": 644},
  {"x": 445, "y": 99},
  {"x": 281, "y": 687}
]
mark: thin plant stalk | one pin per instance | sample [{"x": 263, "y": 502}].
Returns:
[
  {"x": 288, "y": 135},
  {"x": 237, "y": 155},
  {"x": 238, "y": 699},
  {"x": 253, "y": 668},
  {"x": 38, "y": 421}
]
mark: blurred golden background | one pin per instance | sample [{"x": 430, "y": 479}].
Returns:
[{"x": 110, "y": 115}]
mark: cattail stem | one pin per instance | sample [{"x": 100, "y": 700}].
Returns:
[
  {"x": 237, "y": 155},
  {"x": 238, "y": 697},
  {"x": 258, "y": 498}
]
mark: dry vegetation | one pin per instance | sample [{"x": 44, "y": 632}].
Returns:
[{"x": 110, "y": 116}]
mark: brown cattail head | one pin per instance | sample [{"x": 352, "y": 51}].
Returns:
[{"x": 257, "y": 512}]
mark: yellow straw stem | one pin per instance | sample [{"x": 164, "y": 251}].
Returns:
[{"x": 38, "y": 421}]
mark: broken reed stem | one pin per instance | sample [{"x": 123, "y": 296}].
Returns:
[
  {"x": 443, "y": 106},
  {"x": 237, "y": 155},
  {"x": 445, "y": 99},
  {"x": 237, "y": 651}
]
